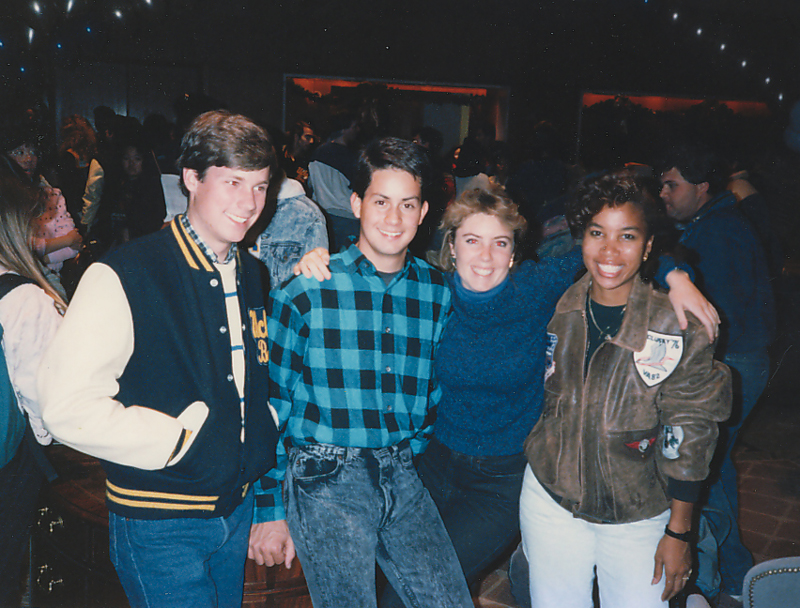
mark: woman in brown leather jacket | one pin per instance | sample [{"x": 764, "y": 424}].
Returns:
[{"x": 629, "y": 423}]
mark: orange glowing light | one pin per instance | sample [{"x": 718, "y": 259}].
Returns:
[
  {"x": 672, "y": 104},
  {"x": 323, "y": 86}
]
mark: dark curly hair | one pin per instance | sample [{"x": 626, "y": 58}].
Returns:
[{"x": 614, "y": 189}]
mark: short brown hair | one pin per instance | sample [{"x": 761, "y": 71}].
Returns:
[
  {"x": 221, "y": 139},
  {"x": 491, "y": 201}
]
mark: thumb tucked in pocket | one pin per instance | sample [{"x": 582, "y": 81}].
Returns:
[{"x": 192, "y": 419}]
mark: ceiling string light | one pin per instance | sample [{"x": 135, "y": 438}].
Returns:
[{"x": 722, "y": 47}]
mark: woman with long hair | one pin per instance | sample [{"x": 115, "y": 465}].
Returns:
[
  {"x": 55, "y": 237},
  {"x": 30, "y": 312}
]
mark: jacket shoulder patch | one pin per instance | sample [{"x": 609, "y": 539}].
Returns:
[
  {"x": 549, "y": 358},
  {"x": 659, "y": 357},
  {"x": 672, "y": 440}
]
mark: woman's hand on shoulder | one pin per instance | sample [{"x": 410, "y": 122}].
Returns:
[
  {"x": 684, "y": 296},
  {"x": 314, "y": 264}
]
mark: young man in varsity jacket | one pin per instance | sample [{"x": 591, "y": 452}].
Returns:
[
  {"x": 350, "y": 376},
  {"x": 160, "y": 370}
]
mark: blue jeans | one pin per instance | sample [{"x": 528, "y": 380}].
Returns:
[
  {"x": 719, "y": 528},
  {"x": 183, "y": 562},
  {"x": 348, "y": 507},
  {"x": 478, "y": 499}
]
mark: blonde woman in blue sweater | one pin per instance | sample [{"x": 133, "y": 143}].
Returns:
[{"x": 489, "y": 366}]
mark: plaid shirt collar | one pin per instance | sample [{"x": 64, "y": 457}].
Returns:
[
  {"x": 355, "y": 261},
  {"x": 205, "y": 248}
]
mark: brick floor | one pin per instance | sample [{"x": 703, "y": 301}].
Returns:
[
  {"x": 769, "y": 514},
  {"x": 495, "y": 591},
  {"x": 769, "y": 507}
]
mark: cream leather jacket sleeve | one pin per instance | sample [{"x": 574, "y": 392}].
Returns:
[{"x": 78, "y": 381}]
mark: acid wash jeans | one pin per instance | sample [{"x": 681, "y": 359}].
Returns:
[{"x": 350, "y": 507}]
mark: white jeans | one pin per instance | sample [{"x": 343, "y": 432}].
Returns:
[{"x": 563, "y": 552}]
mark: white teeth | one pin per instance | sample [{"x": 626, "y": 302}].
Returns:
[
  {"x": 390, "y": 234},
  {"x": 236, "y": 218},
  {"x": 608, "y": 268},
  {"x": 483, "y": 272}
]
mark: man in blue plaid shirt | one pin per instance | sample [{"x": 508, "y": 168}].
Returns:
[{"x": 351, "y": 377}]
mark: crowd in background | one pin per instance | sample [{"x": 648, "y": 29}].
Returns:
[
  {"x": 103, "y": 184},
  {"x": 109, "y": 173}
]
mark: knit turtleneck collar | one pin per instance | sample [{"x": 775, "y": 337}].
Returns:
[{"x": 477, "y": 297}]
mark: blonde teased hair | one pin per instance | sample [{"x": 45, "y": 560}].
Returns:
[{"x": 491, "y": 201}]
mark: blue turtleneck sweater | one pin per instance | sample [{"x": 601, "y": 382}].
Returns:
[{"x": 490, "y": 363}]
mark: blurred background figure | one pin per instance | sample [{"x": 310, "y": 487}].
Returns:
[
  {"x": 330, "y": 172},
  {"x": 301, "y": 141},
  {"x": 55, "y": 239},
  {"x": 133, "y": 199},
  {"x": 78, "y": 148}
]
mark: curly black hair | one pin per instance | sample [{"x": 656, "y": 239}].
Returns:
[{"x": 615, "y": 189}]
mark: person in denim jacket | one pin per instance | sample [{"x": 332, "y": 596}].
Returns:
[{"x": 297, "y": 227}]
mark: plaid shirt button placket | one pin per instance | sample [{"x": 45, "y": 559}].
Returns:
[{"x": 357, "y": 354}]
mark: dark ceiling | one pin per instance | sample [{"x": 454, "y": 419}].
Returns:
[{"x": 546, "y": 51}]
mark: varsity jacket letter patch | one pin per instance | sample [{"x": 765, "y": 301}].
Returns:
[{"x": 258, "y": 329}]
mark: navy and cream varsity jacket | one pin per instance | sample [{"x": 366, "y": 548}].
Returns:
[{"x": 128, "y": 394}]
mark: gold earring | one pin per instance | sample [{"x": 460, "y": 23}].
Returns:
[{"x": 644, "y": 259}]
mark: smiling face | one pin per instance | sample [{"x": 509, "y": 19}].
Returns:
[
  {"x": 390, "y": 212},
  {"x": 225, "y": 204},
  {"x": 483, "y": 248},
  {"x": 614, "y": 245}
]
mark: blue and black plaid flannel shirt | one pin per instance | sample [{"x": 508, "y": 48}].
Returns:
[{"x": 351, "y": 360}]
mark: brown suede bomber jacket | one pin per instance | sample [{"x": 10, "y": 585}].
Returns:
[{"x": 647, "y": 410}]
